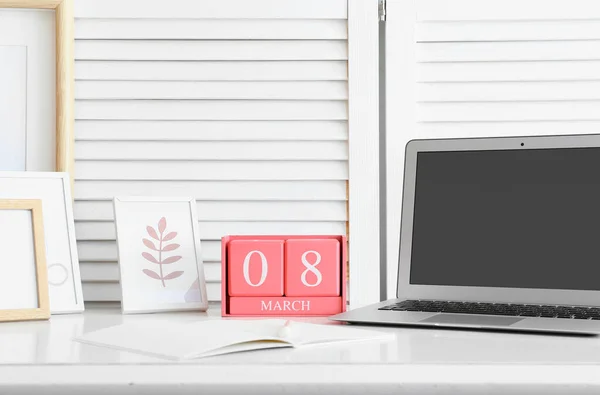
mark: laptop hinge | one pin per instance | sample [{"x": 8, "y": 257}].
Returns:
[{"x": 382, "y": 10}]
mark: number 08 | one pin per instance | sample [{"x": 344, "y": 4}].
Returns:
[{"x": 264, "y": 270}]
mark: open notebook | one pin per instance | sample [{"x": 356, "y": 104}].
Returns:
[{"x": 200, "y": 339}]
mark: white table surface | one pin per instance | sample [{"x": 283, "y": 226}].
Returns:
[{"x": 35, "y": 355}]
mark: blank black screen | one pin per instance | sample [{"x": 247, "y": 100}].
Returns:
[{"x": 511, "y": 218}]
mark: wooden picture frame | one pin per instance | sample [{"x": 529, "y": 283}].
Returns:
[
  {"x": 65, "y": 64},
  {"x": 42, "y": 311}
]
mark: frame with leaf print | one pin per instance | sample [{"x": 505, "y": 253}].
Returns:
[{"x": 159, "y": 251}]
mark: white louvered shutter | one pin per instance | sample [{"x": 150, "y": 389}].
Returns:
[
  {"x": 470, "y": 68},
  {"x": 241, "y": 104}
]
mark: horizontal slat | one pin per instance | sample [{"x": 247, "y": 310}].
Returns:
[
  {"x": 211, "y": 110},
  {"x": 508, "y": 51},
  {"x": 333, "y": 70},
  {"x": 111, "y": 292},
  {"x": 234, "y": 211},
  {"x": 509, "y": 71},
  {"x": 211, "y": 50},
  {"x": 508, "y": 30},
  {"x": 97, "y": 251},
  {"x": 496, "y": 129},
  {"x": 499, "y": 111},
  {"x": 215, "y": 190},
  {"x": 99, "y": 271},
  {"x": 211, "y": 150},
  {"x": 216, "y": 90},
  {"x": 106, "y": 251},
  {"x": 216, "y": 230},
  {"x": 210, "y": 9},
  {"x": 109, "y": 271},
  {"x": 216, "y": 29},
  {"x": 211, "y": 170},
  {"x": 466, "y": 10},
  {"x": 508, "y": 91},
  {"x": 211, "y": 130}
]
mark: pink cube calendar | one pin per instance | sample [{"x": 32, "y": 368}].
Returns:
[{"x": 283, "y": 275}]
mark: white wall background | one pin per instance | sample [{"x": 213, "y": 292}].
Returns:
[
  {"x": 471, "y": 68},
  {"x": 240, "y": 104}
]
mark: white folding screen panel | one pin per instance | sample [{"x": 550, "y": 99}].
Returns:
[
  {"x": 243, "y": 105},
  {"x": 363, "y": 124},
  {"x": 469, "y": 68}
]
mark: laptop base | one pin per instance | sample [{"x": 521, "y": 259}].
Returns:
[{"x": 372, "y": 315}]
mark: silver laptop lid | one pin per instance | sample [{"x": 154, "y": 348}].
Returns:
[{"x": 502, "y": 220}]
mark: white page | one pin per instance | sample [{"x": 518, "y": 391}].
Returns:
[
  {"x": 303, "y": 333},
  {"x": 173, "y": 340},
  {"x": 214, "y": 337}
]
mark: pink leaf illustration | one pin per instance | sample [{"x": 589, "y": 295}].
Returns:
[
  {"x": 149, "y": 257},
  {"x": 171, "y": 260},
  {"x": 173, "y": 275},
  {"x": 162, "y": 225},
  {"x": 170, "y": 236},
  {"x": 152, "y": 232},
  {"x": 152, "y": 274},
  {"x": 160, "y": 247},
  {"x": 170, "y": 247},
  {"x": 149, "y": 244}
]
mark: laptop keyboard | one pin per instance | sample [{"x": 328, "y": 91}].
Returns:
[{"x": 519, "y": 310}]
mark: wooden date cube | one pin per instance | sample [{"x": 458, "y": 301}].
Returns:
[
  {"x": 255, "y": 267},
  {"x": 312, "y": 267}
]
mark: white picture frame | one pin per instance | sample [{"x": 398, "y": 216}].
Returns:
[
  {"x": 142, "y": 224},
  {"x": 54, "y": 190}
]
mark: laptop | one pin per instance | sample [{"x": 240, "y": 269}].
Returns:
[{"x": 498, "y": 233}]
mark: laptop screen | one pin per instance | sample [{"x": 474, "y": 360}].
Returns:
[{"x": 508, "y": 218}]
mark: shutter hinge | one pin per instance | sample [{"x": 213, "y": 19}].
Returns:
[{"x": 382, "y": 10}]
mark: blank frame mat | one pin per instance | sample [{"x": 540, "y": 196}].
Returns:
[
  {"x": 13, "y": 108},
  {"x": 31, "y": 34},
  {"x": 18, "y": 285}
]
